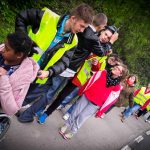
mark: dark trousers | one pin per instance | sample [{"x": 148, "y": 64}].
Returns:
[
  {"x": 141, "y": 112},
  {"x": 66, "y": 91}
]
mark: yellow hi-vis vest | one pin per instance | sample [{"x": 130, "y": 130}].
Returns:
[
  {"x": 85, "y": 72},
  {"x": 45, "y": 35},
  {"x": 141, "y": 98}
]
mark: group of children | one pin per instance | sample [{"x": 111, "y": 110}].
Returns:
[{"x": 94, "y": 77}]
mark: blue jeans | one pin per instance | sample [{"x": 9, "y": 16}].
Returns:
[
  {"x": 130, "y": 110},
  {"x": 71, "y": 108},
  {"x": 69, "y": 97},
  {"x": 55, "y": 85},
  {"x": 37, "y": 90}
]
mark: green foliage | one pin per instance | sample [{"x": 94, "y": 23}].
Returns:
[{"x": 132, "y": 18}]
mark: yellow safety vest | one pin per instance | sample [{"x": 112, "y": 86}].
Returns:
[
  {"x": 45, "y": 35},
  {"x": 141, "y": 98},
  {"x": 85, "y": 72}
]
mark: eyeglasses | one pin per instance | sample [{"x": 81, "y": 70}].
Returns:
[{"x": 117, "y": 68}]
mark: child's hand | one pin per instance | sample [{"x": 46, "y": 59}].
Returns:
[
  {"x": 94, "y": 61},
  {"x": 114, "y": 38},
  {"x": 2, "y": 71},
  {"x": 42, "y": 74}
]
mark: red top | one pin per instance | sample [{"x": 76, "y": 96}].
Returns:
[{"x": 99, "y": 92}]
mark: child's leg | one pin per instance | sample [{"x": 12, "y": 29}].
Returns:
[
  {"x": 79, "y": 107},
  {"x": 86, "y": 113},
  {"x": 130, "y": 110}
]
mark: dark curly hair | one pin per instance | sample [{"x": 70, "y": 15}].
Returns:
[{"x": 21, "y": 42}]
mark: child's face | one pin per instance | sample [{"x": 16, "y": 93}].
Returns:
[
  {"x": 8, "y": 53},
  {"x": 105, "y": 36},
  {"x": 112, "y": 61},
  {"x": 117, "y": 70},
  {"x": 131, "y": 79}
]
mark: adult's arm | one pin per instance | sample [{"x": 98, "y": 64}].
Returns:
[
  {"x": 62, "y": 63},
  {"x": 30, "y": 17}
]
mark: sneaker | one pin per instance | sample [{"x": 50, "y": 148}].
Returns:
[
  {"x": 102, "y": 116},
  {"x": 42, "y": 118},
  {"x": 136, "y": 116},
  {"x": 60, "y": 107},
  {"x": 66, "y": 116},
  {"x": 122, "y": 119},
  {"x": 26, "y": 117},
  {"x": 147, "y": 121},
  {"x": 63, "y": 129},
  {"x": 68, "y": 136}
]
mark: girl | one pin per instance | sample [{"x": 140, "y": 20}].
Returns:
[
  {"x": 17, "y": 71},
  {"x": 94, "y": 93},
  {"x": 141, "y": 100}
]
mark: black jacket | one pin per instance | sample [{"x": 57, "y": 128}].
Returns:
[
  {"x": 32, "y": 17},
  {"x": 88, "y": 42}
]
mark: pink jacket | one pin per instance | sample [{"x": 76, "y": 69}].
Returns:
[
  {"x": 113, "y": 97},
  {"x": 13, "y": 89},
  {"x": 96, "y": 90}
]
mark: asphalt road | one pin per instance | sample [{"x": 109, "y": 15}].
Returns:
[{"x": 96, "y": 134}]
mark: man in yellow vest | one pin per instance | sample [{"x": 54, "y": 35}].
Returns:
[
  {"x": 108, "y": 32},
  {"x": 56, "y": 39},
  {"x": 141, "y": 100},
  {"x": 78, "y": 58}
]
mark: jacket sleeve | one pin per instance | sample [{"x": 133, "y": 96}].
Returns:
[
  {"x": 14, "y": 88},
  {"x": 99, "y": 49},
  {"x": 63, "y": 62},
  {"x": 30, "y": 17},
  {"x": 11, "y": 101},
  {"x": 131, "y": 102}
]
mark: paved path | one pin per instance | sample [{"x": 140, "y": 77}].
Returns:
[{"x": 96, "y": 134}]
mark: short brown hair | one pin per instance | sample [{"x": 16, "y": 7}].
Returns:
[
  {"x": 100, "y": 19},
  {"x": 84, "y": 12},
  {"x": 116, "y": 57}
]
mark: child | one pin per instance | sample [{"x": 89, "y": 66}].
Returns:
[
  {"x": 17, "y": 71},
  {"x": 94, "y": 93},
  {"x": 112, "y": 60},
  {"x": 141, "y": 100},
  {"x": 126, "y": 95}
]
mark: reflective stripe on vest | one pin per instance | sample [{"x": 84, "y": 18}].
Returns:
[
  {"x": 85, "y": 72},
  {"x": 141, "y": 97},
  {"x": 45, "y": 35}
]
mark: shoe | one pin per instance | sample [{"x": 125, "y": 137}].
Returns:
[
  {"x": 102, "y": 116},
  {"x": 26, "y": 117},
  {"x": 42, "y": 118},
  {"x": 39, "y": 113},
  {"x": 136, "y": 116},
  {"x": 122, "y": 119},
  {"x": 4, "y": 125},
  {"x": 60, "y": 107},
  {"x": 147, "y": 121},
  {"x": 63, "y": 129},
  {"x": 66, "y": 116},
  {"x": 68, "y": 136}
]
